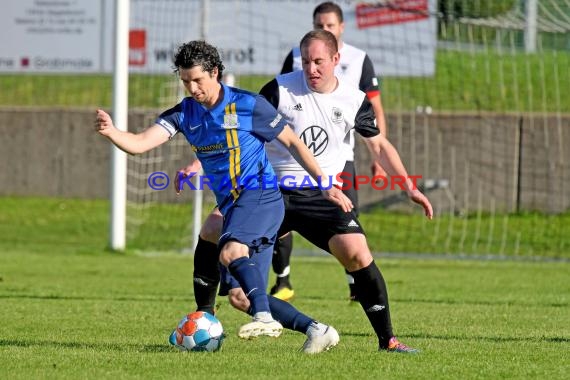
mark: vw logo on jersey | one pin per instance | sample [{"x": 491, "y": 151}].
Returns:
[{"x": 316, "y": 139}]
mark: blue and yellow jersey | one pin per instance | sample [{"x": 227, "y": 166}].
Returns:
[{"x": 228, "y": 139}]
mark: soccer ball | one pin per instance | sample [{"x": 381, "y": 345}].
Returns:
[{"x": 198, "y": 331}]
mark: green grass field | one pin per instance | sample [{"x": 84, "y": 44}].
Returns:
[
  {"x": 71, "y": 309},
  {"x": 71, "y": 225},
  {"x": 478, "y": 81}
]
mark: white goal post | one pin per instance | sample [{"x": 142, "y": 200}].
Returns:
[{"x": 120, "y": 111}]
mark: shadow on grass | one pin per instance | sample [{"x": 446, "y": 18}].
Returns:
[
  {"x": 496, "y": 339},
  {"x": 150, "y": 348},
  {"x": 83, "y": 298},
  {"x": 481, "y": 303},
  {"x": 448, "y": 302}
]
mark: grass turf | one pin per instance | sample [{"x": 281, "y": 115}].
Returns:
[
  {"x": 72, "y": 309},
  {"x": 477, "y": 81},
  {"x": 104, "y": 315},
  {"x": 71, "y": 225}
]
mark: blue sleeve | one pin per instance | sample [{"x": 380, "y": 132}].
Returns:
[
  {"x": 267, "y": 122},
  {"x": 171, "y": 119}
]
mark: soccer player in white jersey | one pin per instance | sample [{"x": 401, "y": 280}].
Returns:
[
  {"x": 315, "y": 103},
  {"x": 322, "y": 107},
  {"x": 356, "y": 68}
]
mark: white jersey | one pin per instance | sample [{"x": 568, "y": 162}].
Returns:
[
  {"x": 354, "y": 67},
  {"x": 322, "y": 122}
]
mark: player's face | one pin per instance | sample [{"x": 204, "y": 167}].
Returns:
[
  {"x": 318, "y": 65},
  {"x": 203, "y": 86},
  {"x": 329, "y": 22}
]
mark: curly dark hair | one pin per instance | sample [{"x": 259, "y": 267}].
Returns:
[{"x": 198, "y": 53}]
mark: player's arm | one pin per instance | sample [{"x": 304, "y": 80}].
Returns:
[
  {"x": 305, "y": 158},
  {"x": 130, "y": 142},
  {"x": 390, "y": 160},
  {"x": 369, "y": 85},
  {"x": 387, "y": 155},
  {"x": 190, "y": 169}
]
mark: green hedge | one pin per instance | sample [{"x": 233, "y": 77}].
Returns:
[{"x": 453, "y": 9}]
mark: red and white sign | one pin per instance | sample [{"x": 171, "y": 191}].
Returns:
[
  {"x": 137, "y": 47},
  {"x": 391, "y": 12}
]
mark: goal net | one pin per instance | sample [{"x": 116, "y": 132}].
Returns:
[{"x": 472, "y": 105}]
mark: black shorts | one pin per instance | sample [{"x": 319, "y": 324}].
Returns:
[{"x": 315, "y": 218}]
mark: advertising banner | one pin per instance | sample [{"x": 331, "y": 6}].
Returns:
[{"x": 253, "y": 36}]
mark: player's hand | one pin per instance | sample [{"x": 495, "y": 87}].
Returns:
[
  {"x": 419, "y": 198},
  {"x": 103, "y": 123},
  {"x": 192, "y": 168},
  {"x": 377, "y": 170},
  {"x": 336, "y": 196}
]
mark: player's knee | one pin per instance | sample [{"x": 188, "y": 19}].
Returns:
[
  {"x": 351, "y": 250},
  {"x": 231, "y": 251},
  {"x": 238, "y": 300}
]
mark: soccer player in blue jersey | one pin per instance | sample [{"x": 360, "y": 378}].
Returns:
[{"x": 227, "y": 128}]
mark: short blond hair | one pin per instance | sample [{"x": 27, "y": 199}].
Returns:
[{"x": 322, "y": 35}]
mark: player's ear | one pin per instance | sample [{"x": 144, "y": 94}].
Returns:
[
  {"x": 214, "y": 73},
  {"x": 336, "y": 58},
  {"x": 341, "y": 29}
]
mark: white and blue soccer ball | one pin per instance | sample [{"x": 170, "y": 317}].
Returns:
[{"x": 198, "y": 331}]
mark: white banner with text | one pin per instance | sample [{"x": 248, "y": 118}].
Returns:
[{"x": 253, "y": 36}]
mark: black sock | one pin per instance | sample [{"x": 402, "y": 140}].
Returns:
[
  {"x": 373, "y": 296},
  {"x": 206, "y": 275},
  {"x": 351, "y": 287},
  {"x": 282, "y": 259}
]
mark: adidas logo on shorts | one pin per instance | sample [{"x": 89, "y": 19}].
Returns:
[
  {"x": 353, "y": 224},
  {"x": 297, "y": 107}
]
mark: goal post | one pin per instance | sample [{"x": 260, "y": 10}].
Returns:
[{"x": 120, "y": 116}]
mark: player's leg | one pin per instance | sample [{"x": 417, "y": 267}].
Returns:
[
  {"x": 352, "y": 194},
  {"x": 206, "y": 275},
  {"x": 320, "y": 337},
  {"x": 246, "y": 271},
  {"x": 353, "y": 253},
  {"x": 281, "y": 267},
  {"x": 341, "y": 234},
  {"x": 247, "y": 239}
]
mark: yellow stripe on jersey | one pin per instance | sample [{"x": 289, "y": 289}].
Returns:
[{"x": 234, "y": 151}]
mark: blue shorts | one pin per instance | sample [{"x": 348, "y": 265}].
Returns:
[{"x": 253, "y": 220}]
